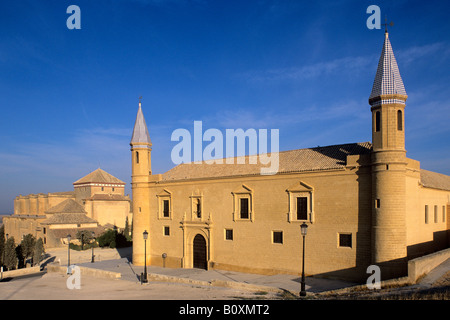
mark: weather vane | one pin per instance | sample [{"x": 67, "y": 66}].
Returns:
[{"x": 385, "y": 24}]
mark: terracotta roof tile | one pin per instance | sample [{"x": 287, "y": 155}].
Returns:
[
  {"x": 99, "y": 176},
  {"x": 109, "y": 196},
  {"x": 434, "y": 180},
  {"x": 67, "y": 206},
  {"x": 68, "y": 218},
  {"x": 311, "y": 159}
]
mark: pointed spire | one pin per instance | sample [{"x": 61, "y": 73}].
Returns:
[
  {"x": 140, "y": 131},
  {"x": 387, "y": 79}
]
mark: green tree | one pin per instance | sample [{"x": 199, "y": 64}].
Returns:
[
  {"x": 38, "y": 251},
  {"x": 2, "y": 245},
  {"x": 10, "y": 254},
  {"x": 27, "y": 247},
  {"x": 84, "y": 236},
  {"x": 126, "y": 231},
  {"x": 107, "y": 239}
]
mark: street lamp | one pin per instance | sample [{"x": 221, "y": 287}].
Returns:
[
  {"x": 303, "y": 229},
  {"x": 68, "y": 253},
  {"x": 144, "y": 276},
  {"x": 93, "y": 236}
]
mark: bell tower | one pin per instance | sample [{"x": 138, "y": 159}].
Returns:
[
  {"x": 141, "y": 170},
  {"x": 387, "y": 100}
]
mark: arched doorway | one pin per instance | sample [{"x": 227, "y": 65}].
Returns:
[{"x": 199, "y": 250}]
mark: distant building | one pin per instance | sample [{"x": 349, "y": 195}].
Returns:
[
  {"x": 365, "y": 203},
  {"x": 97, "y": 201}
]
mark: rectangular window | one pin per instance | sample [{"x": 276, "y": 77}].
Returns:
[
  {"x": 167, "y": 231},
  {"x": 377, "y": 203},
  {"x": 345, "y": 240},
  {"x": 435, "y": 214},
  {"x": 443, "y": 213},
  {"x": 399, "y": 120},
  {"x": 244, "y": 208},
  {"x": 302, "y": 208},
  {"x": 377, "y": 121},
  {"x": 277, "y": 237},
  {"x": 165, "y": 208},
  {"x": 426, "y": 214},
  {"x": 228, "y": 234}
]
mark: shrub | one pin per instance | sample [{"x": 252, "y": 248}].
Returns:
[{"x": 113, "y": 239}]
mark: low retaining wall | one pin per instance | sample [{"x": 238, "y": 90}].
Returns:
[
  {"x": 213, "y": 283},
  {"x": 416, "y": 268},
  {"x": 423, "y": 265},
  {"x": 56, "y": 268},
  {"x": 21, "y": 272}
]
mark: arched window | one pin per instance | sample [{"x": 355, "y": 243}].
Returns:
[
  {"x": 399, "y": 120},
  {"x": 137, "y": 157},
  {"x": 377, "y": 121}
]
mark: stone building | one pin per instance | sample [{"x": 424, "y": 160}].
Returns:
[
  {"x": 365, "y": 203},
  {"x": 97, "y": 201}
]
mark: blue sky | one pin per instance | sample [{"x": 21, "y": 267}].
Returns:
[{"x": 69, "y": 98}]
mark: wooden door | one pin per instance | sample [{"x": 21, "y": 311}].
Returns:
[{"x": 199, "y": 245}]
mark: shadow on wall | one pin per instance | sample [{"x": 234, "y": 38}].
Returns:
[
  {"x": 394, "y": 268},
  {"x": 440, "y": 241}
]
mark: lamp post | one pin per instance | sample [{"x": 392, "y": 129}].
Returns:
[
  {"x": 303, "y": 229},
  {"x": 93, "y": 236},
  {"x": 144, "y": 277},
  {"x": 68, "y": 253}
]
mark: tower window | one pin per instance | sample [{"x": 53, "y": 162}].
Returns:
[
  {"x": 399, "y": 120},
  {"x": 166, "y": 231},
  {"x": 426, "y": 214},
  {"x": 377, "y": 203},
  {"x": 435, "y": 214},
  {"x": 137, "y": 157},
  {"x": 377, "y": 121}
]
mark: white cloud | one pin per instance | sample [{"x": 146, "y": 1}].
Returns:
[
  {"x": 347, "y": 65},
  {"x": 411, "y": 54}
]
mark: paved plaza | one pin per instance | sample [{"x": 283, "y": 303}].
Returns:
[{"x": 164, "y": 284}]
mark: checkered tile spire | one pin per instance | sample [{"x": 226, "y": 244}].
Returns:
[{"x": 387, "y": 79}]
